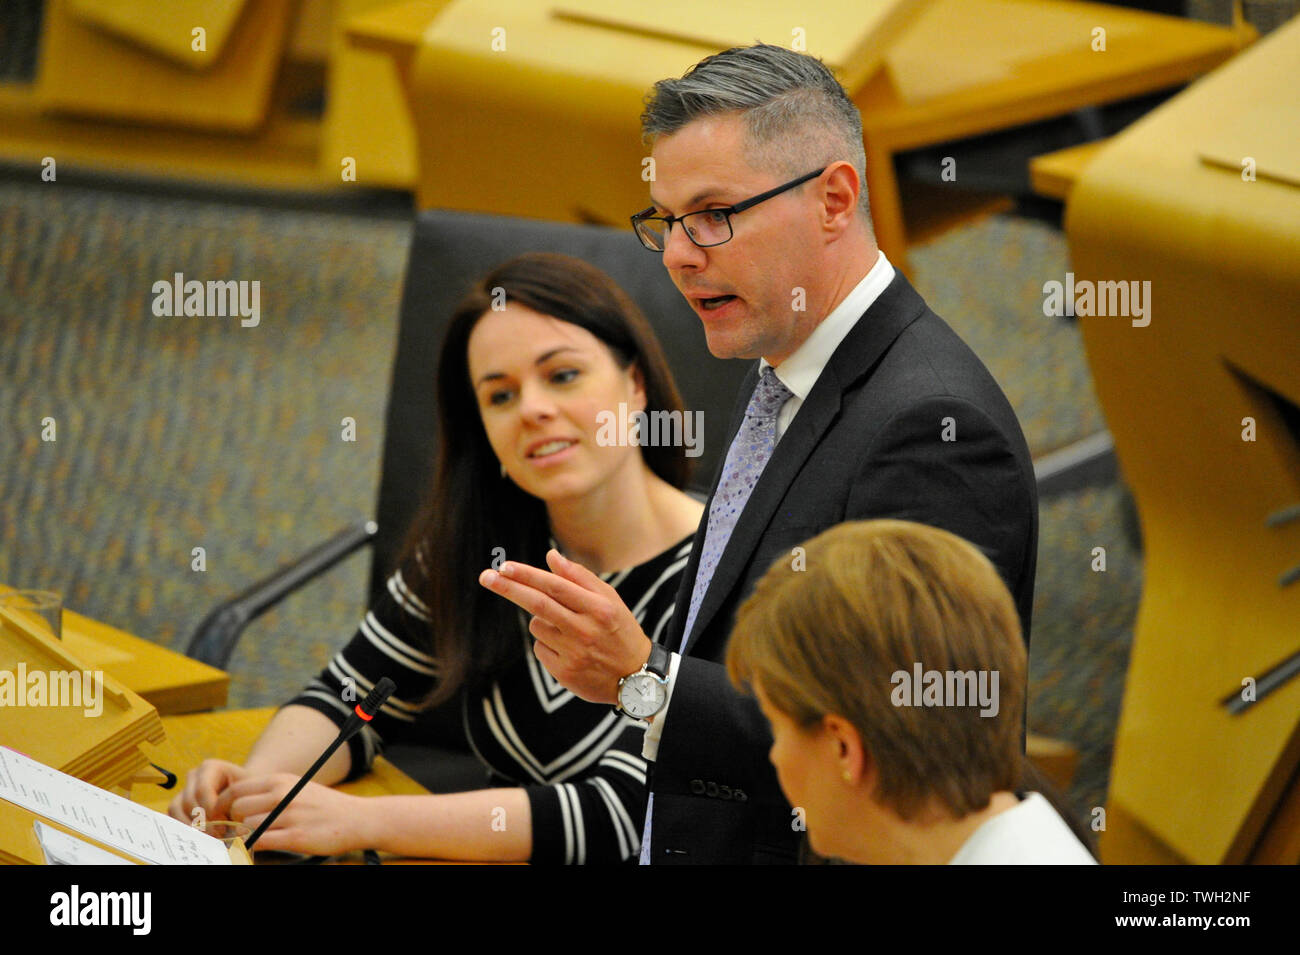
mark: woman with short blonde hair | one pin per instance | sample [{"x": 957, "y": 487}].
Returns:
[{"x": 889, "y": 660}]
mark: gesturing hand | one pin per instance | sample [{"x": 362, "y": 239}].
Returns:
[{"x": 586, "y": 636}]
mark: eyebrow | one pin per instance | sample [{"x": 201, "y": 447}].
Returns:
[
  {"x": 541, "y": 360},
  {"x": 713, "y": 192}
]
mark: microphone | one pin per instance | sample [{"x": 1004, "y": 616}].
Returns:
[{"x": 362, "y": 713}]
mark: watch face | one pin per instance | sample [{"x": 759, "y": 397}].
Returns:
[{"x": 642, "y": 695}]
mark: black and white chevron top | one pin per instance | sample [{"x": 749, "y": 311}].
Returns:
[{"x": 580, "y": 763}]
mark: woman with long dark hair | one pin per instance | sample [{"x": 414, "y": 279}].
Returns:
[{"x": 540, "y": 358}]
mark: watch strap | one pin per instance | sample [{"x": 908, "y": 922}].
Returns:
[{"x": 660, "y": 660}]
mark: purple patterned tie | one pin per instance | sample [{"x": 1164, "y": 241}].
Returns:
[
  {"x": 750, "y": 449},
  {"x": 746, "y": 459}
]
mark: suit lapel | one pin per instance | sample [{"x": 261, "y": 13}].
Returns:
[
  {"x": 896, "y": 308},
  {"x": 684, "y": 590}
]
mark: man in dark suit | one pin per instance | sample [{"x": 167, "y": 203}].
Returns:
[{"x": 864, "y": 404}]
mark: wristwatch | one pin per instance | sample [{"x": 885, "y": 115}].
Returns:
[{"x": 644, "y": 693}]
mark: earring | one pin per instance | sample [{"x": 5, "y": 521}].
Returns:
[
  {"x": 503, "y": 472},
  {"x": 848, "y": 777}
]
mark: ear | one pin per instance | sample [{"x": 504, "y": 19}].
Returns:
[
  {"x": 638, "y": 386},
  {"x": 841, "y": 194},
  {"x": 852, "y": 762}
]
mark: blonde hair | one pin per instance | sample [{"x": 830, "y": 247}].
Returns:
[{"x": 878, "y": 597}]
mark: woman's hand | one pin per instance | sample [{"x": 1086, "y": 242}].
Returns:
[
  {"x": 204, "y": 786},
  {"x": 319, "y": 821}
]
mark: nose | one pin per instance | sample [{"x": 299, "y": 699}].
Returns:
[
  {"x": 535, "y": 404},
  {"x": 680, "y": 252}
]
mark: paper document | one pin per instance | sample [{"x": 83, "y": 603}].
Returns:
[
  {"x": 140, "y": 832},
  {"x": 63, "y": 849}
]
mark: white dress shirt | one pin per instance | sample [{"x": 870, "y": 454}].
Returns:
[{"x": 799, "y": 373}]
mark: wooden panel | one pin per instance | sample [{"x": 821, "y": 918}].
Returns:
[
  {"x": 66, "y": 713},
  {"x": 313, "y": 31},
  {"x": 1040, "y": 75},
  {"x": 1280, "y": 843},
  {"x": 977, "y": 45},
  {"x": 170, "y": 681},
  {"x": 368, "y": 119},
  {"x": 284, "y": 155},
  {"x": 173, "y": 683},
  {"x": 1054, "y": 174},
  {"x": 392, "y": 28},
  {"x": 849, "y": 36},
  {"x": 86, "y": 71},
  {"x": 1219, "y": 254},
  {"x": 1125, "y": 841},
  {"x": 1253, "y": 130},
  {"x": 165, "y": 28}
]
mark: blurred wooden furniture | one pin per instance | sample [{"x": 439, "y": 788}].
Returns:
[
  {"x": 367, "y": 114},
  {"x": 173, "y": 683},
  {"x": 1054, "y": 758},
  {"x": 149, "y": 67},
  {"x": 530, "y": 107},
  {"x": 533, "y": 109},
  {"x": 166, "y": 28},
  {"x": 1202, "y": 201},
  {"x": 120, "y": 88},
  {"x": 62, "y": 712},
  {"x": 1054, "y": 174},
  {"x": 969, "y": 67}
]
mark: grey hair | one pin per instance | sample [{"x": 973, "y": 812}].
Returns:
[{"x": 797, "y": 115}]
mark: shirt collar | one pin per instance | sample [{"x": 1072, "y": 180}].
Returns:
[{"x": 801, "y": 370}]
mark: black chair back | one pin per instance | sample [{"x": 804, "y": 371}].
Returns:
[{"x": 449, "y": 252}]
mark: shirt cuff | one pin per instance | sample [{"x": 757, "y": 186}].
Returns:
[{"x": 650, "y": 747}]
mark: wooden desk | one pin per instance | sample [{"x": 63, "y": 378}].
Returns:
[
  {"x": 229, "y": 734},
  {"x": 172, "y": 682}
]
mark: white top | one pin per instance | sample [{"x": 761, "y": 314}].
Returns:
[{"x": 1030, "y": 834}]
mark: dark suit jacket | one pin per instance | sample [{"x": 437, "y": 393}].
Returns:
[{"x": 867, "y": 442}]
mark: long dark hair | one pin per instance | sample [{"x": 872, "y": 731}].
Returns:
[{"x": 473, "y": 510}]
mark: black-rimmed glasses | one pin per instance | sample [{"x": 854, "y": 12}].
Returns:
[{"x": 708, "y": 227}]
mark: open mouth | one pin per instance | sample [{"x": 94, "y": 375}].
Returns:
[
  {"x": 709, "y": 304},
  {"x": 550, "y": 447}
]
